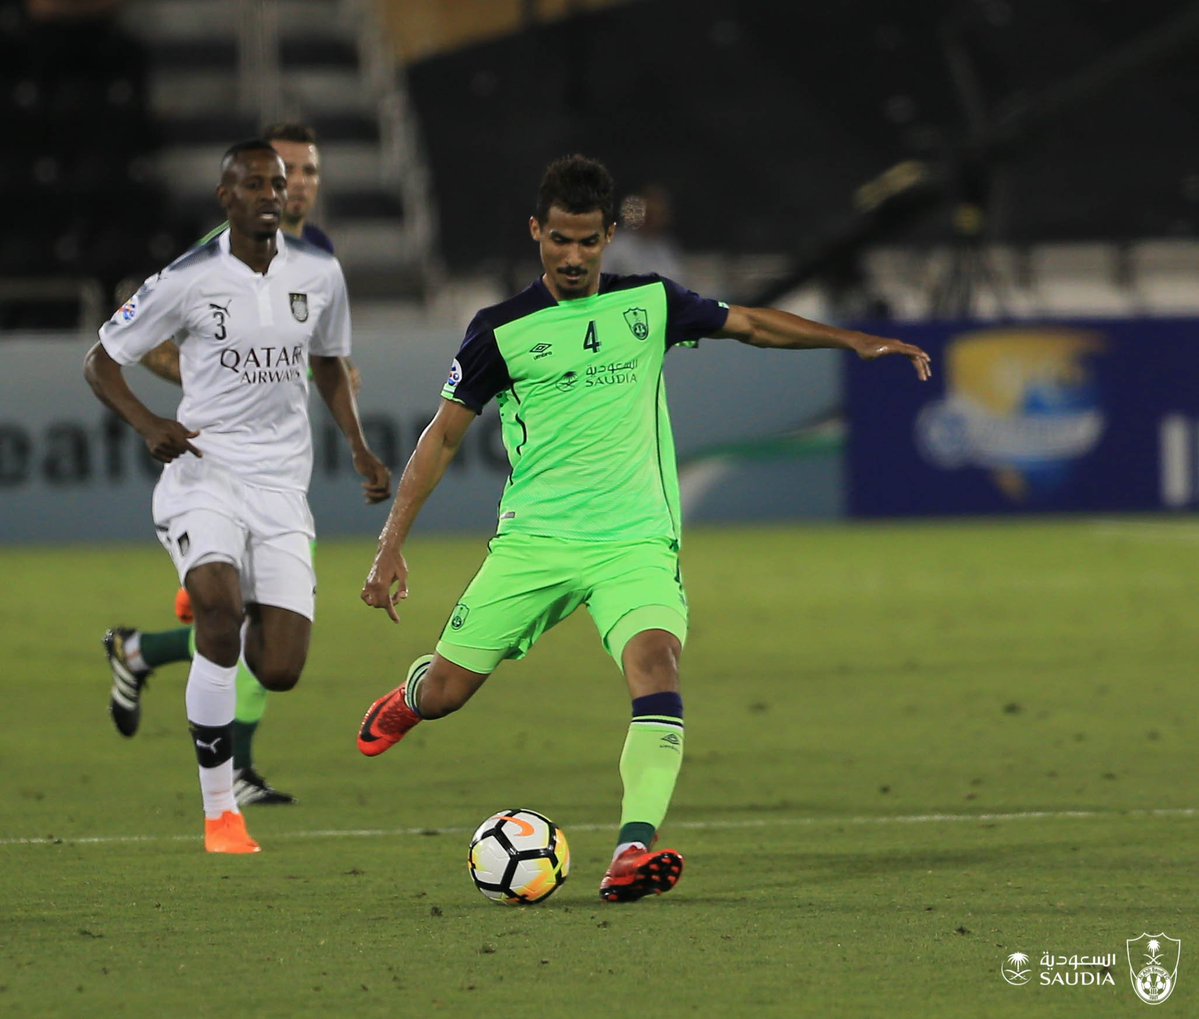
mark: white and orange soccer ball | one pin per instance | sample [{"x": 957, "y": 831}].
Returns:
[{"x": 518, "y": 857}]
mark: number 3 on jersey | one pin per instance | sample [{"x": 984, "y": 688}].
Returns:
[{"x": 591, "y": 340}]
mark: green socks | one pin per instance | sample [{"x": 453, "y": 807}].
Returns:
[
  {"x": 251, "y": 706},
  {"x": 251, "y": 695},
  {"x": 166, "y": 647},
  {"x": 649, "y": 765}
]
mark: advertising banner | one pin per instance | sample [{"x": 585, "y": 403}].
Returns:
[
  {"x": 1079, "y": 416},
  {"x": 71, "y": 472}
]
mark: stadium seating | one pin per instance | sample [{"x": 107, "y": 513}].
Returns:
[
  {"x": 199, "y": 97},
  {"x": 748, "y": 111},
  {"x": 83, "y": 210}
]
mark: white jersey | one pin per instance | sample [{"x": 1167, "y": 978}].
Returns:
[{"x": 244, "y": 339}]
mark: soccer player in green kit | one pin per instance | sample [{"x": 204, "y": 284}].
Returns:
[{"x": 590, "y": 514}]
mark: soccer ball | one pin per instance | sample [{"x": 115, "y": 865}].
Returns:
[{"x": 518, "y": 857}]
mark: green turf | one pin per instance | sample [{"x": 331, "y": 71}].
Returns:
[{"x": 911, "y": 751}]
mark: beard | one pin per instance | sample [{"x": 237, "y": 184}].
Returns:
[{"x": 294, "y": 214}]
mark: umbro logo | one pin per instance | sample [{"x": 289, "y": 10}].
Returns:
[
  {"x": 541, "y": 350},
  {"x": 671, "y": 740}
]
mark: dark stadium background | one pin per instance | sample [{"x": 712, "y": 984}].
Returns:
[{"x": 1063, "y": 120}]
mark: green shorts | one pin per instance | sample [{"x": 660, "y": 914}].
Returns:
[{"x": 528, "y": 584}]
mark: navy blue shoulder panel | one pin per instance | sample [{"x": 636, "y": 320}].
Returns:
[
  {"x": 317, "y": 237},
  {"x": 610, "y": 282},
  {"x": 308, "y": 246},
  {"x": 532, "y": 299},
  {"x": 482, "y": 367}
]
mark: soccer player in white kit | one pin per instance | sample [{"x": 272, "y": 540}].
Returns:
[{"x": 247, "y": 310}]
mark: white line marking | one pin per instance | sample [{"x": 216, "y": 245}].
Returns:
[
  {"x": 1146, "y": 530},
  {"x": 769, "y": 822}
]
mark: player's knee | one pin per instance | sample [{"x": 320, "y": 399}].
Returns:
[
  {"x": 278, "y": 678},
  {"x": 218, "y": 634},
  {"x": 651, "y": 663}
]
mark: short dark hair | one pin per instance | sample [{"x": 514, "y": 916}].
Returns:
[
  {"x": 234, "y": 152},
  {"x": 577, "y": 184},
  {"x": 290, "y": 131}
]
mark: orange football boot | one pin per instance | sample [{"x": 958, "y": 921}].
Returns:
[
  {"x": 390, "y": 718},
  {"x": 386, "y": 723},
  {"x": 638, "y": 872},
  {"x": 227, "y": 834}
]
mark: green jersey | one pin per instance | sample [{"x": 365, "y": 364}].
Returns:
[{"x": 583, "y": 404}]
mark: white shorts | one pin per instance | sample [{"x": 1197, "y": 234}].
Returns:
[{"x": 205, "y": 514}]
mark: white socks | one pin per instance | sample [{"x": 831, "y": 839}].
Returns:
[
  {"x": 133, "y": 652},
  {"x": 211, "y": 703}
]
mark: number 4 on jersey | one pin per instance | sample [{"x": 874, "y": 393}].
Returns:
[{"x": 591, "y": 340}]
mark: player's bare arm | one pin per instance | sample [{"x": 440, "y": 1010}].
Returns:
[
  {"x": 165, "y": 438},
  {"x": 163, "y": 361},
  {"x": 776, "y": 329},
  {"x": 334, "y": 384},
  {"x": 435, "y": 450},
  {"x": 355, "y": 377}
]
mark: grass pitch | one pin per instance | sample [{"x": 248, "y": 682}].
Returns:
[{"x": 911, "y": 752}]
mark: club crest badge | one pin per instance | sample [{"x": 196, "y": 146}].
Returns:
[
  {"x": 638, "y": 322},
  {"x": 458, "y": 619},
  {"x": 1153, "y": 966},
  {"x": 299, "y": 307}
]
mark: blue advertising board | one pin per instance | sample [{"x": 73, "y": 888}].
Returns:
[{"x": 1077, "y": 416}]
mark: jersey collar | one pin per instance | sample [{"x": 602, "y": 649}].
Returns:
[
  {"x": 277, "y": 263},
  {"x": 540, "y": 286}
]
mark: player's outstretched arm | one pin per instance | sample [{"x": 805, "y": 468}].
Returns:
[
  {"x": 387, "y": 583},
  {"x": 165, "y": 438},
  {"x": 336, "y": 388},
  {"x": 776, "y": 329}
]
